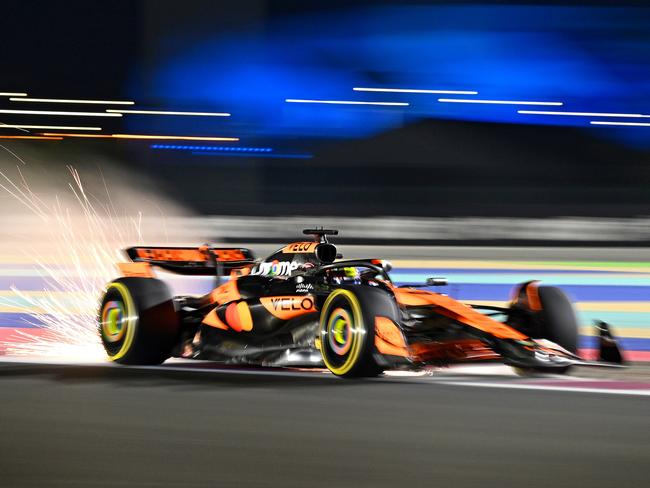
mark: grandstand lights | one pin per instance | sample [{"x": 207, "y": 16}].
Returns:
[
  {"x": 634, "y": 124},
  {"x": 162, "y": 112},
  {"x": 579, "y": 114},
  {"x": 346, "y": 102},
  {"x": 58, "y": 127},
  {"x": 414, "y": 90},
  {"x": 65, "y": 100},
  {"x": 496, "y": 102},
  {"x": 53, "y": 112}
]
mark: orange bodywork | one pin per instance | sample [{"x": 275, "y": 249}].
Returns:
[
  {"x": 195, "y": 255},
  {"x": 237, "y": 272},
  {"x": 532, "y": 292},
  {"x": 456, "y": 310},
  {"x": 229, "y": 255},
  {"x": 156, "y": 254},
  {"x": 527, "y": 295},
  {"x": 388, "y": 338},
  {"x": 228, "y": 292},
  {"x": 238, "y": 316},
  {"x": 300, "y": 247},
  {"x": 213, "y": 320},
  {"x": 136, "y": 270},
  {"x": 289, "y": 307},
  {"x": 466, "y": 349}
]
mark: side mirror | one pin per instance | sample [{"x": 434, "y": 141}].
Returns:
[
  {"x": 437, "y": 281},
  {"x": 385, "y": 265}
]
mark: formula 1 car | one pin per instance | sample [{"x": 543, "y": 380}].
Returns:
[{"x": 304, "y": 306}]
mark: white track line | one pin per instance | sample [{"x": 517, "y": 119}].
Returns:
[
  {"x": 261, "y": 372},
  {"x": 414, "y": 377},
  {"x": 571, "y": 389}
]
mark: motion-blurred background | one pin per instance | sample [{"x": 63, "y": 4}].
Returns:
[
  {"x": 427, "y": 159},
  {"x": 401, "y": 123}
]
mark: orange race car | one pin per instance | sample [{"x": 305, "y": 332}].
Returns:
[{"x": 305, "y": 306}]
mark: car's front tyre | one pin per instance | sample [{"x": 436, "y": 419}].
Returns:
[
  {"x": 547, "y": 314},
  {"x": 347, "y": 330}
]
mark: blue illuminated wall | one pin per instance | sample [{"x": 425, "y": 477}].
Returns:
[{"x": 594, "y": 59}]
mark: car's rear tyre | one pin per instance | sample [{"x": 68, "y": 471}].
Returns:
[
  {"x": 137, "y": 321},
  {"x": 347, "y": 330}
]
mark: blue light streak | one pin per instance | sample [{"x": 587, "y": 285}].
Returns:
[
  {"x": 254, "y": 155},
  {"x": 237, "y": 149}
]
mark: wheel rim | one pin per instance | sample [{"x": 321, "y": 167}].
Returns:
[
  {"x": 113, "y": 320},
  {"x": 339, "y": 331},
  {"x": 342, "y": 332},
  {"x": 117, "y": 321}
]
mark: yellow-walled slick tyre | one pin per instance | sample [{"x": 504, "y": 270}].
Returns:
[
  {"x": 137, "y": 321},
  {"x": 347, "y": 330}
]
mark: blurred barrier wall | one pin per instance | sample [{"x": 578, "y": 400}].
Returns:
[
  {"x": 384, "y": 230},
  {"x": 399, "y": 229}
]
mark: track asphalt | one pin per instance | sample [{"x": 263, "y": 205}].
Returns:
[{"x": 103, "y": 425}]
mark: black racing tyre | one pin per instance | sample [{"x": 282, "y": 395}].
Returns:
[
  {"x": 557, "y": 322},
  {"x": 137, "y": 321},
  {"x": 558, "y": 318},
  {"x": 347, "y": 330}
]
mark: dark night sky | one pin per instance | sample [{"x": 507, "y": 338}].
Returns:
[
  {"x": 69, "y": 48},
  {"x": 87, "y": 49},
  {"x": 90, "y": 48}
]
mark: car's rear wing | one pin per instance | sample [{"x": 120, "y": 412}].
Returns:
[{"x": 204, "y": 260}]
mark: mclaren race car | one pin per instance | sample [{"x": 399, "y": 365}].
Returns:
[{"x": 304, "y": 306}]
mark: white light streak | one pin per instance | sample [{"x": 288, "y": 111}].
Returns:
[
  {"x": 163, "y": 112},
  {"x": 634, "y": 124},
  {"x": 347, "y": 102},
  {"x": 11, "y": 94},
  {"x": 415, "y": 90},
  {"x": 580, "y": 114},
  {"x": 60, "y": 127},
  {"x": 496, "y": 102},
  {"x": 54, "y": 112},
  {"x": 65, "y": 100}
]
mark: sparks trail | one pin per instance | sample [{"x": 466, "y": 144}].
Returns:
[
  {"x": 83, "y": 244},
  {"x": 9, "y": 150}
]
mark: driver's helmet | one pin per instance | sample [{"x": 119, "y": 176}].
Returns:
[{"x": 349, "y": 274}]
